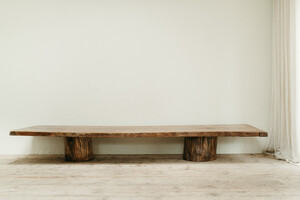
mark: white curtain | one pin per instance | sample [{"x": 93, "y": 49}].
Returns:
[{"x": 284, "y": 129}]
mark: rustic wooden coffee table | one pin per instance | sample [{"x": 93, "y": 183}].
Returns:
[{"x": 200, "y": 141}]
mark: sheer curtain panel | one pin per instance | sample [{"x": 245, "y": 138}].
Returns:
[{"x": 284, "y": 122}]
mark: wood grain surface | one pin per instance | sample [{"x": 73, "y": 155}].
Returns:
[
  {"x": 78, "y": 149},
  {"x": 241, "y": 130},
  {"x": 199, "y": 149},
  {"x": 148, "y": 177}
]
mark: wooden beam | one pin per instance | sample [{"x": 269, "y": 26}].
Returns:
[
  {"x": 240, "y": 130},
  {"x": 199, "y": 149},
  {"x": 78, "y": 149}
]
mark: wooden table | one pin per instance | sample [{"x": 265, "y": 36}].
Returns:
[{"x": 200, "y": 141}]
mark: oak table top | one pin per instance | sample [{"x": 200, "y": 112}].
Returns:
[{"x": 239, "y": 130}]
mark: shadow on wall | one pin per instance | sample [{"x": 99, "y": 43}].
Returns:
[
  {"x": 138, "y": 145},
  {"x": 55, "y": 145},
  {"x": 47, "y": 145},
  {"x": 231, "y": 145}
]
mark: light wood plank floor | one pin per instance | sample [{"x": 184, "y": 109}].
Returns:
[{"x": 148, "y": 177}]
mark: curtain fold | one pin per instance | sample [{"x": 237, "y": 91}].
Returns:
[{"x": 283, "y": 139}]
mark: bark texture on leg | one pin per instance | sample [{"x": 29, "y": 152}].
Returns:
[
  {"x": 78, "y": 149},
  {"x": 199, "y": 149}
]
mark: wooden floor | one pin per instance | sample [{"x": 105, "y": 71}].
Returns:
[{"x": 148, "y": 177}]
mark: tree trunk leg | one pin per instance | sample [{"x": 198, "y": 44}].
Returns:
[
  {"x": 199, "y": 149},
  {"x": 78, "y": 149}
]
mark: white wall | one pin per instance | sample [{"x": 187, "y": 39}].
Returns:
[{"x": 134, "y": 62}]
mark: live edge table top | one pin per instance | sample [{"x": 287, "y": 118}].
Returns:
[{"x": 239, "y": 130}]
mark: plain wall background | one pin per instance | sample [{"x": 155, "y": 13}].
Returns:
[{"x": 134, "y": 62}]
